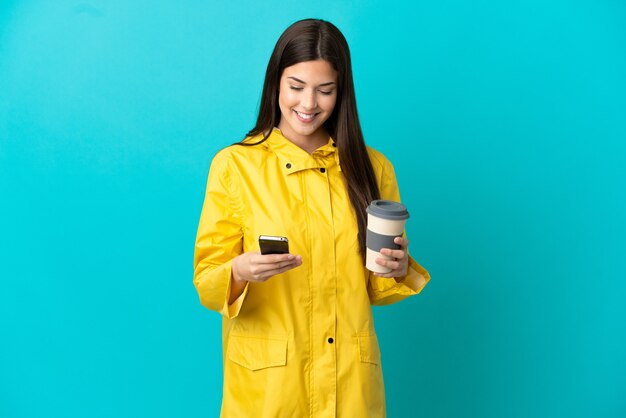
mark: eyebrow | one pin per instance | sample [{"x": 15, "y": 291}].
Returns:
[{"x": 321, "y": 85}]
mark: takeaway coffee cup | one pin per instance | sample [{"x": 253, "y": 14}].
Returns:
[{"x": 385, "y": 221}]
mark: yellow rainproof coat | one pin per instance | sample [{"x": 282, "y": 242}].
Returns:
[{"x": 301, "y": 344}]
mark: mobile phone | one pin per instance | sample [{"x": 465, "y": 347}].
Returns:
[{"x": 271, "y": 244}]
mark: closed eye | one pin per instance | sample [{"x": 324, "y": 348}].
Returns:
[{"x": 324, "y": 92}]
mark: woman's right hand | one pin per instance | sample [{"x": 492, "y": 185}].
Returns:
[{"x": 256, "y": 267}]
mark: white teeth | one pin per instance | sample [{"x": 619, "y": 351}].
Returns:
[{"x": 305, "y": 116}]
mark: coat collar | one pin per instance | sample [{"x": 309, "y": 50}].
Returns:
[{"x": 294, "y": 159}]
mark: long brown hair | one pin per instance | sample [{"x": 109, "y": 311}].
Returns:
[{"x": 309, "y": 40}]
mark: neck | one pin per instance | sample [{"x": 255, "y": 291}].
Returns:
[{"x": 309, "y": 143}]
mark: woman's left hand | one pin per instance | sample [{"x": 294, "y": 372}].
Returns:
[{"x": 399, "y": 263}]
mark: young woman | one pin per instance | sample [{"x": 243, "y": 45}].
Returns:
[{"x": 298, "y": 333}]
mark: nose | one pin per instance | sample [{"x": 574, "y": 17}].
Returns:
[{"x": 309, "y": 100}]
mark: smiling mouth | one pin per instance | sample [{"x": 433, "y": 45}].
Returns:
[{"x": 306, "y": 117}]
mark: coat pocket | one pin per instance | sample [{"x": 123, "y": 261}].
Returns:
[
  {"x": 369, "y": 351},
  {"x": 257, "y": 352}
]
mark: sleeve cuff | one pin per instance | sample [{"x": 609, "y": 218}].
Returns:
[
  {"x": 385, "y": 291},
  {"x": 214, "y": 290},
  {"x": 232, "y": 310},
  {"x": 416, "y": 277}
]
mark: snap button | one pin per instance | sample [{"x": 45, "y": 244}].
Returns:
[
  {"x": 330, "y": 340},
  {"x": 288, "y": 165},
  {"x": 323, "y": 170}
]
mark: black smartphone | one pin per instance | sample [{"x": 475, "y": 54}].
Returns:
[{"x": 270, "y": 244}]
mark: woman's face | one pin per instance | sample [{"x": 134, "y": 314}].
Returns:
[{"x": 307, "y": 97}]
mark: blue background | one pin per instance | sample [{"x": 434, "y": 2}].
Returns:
[{"x": 505, "y": 122}]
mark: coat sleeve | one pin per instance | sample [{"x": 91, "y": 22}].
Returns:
[
  {"x": 218, "y": 241},
  {"x": 382, "y": 290}
]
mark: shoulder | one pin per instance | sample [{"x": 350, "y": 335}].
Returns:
[
  {"x": 236, "y": 153},
  {"x": 379, "y": 161},
  {"x": 384, "y": 172},
  {"x": 385, "y": 175}
]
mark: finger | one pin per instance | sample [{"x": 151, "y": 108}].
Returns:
[
  {"x": 273, "y": 258},
  {"x": 403, "y": 242},
  {"x": 399, "y": 254},
  {"x": 261, "y": 272},
  {"x": 390, "y": 274},
  {"x": 392, "y": 264},
  {"x": 261, "y": 269},
  {"x": 400, "y": 271},
  {"x": 273, "y": 272}
]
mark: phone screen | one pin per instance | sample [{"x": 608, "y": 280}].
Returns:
[{"x": 271, "y": 244}]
